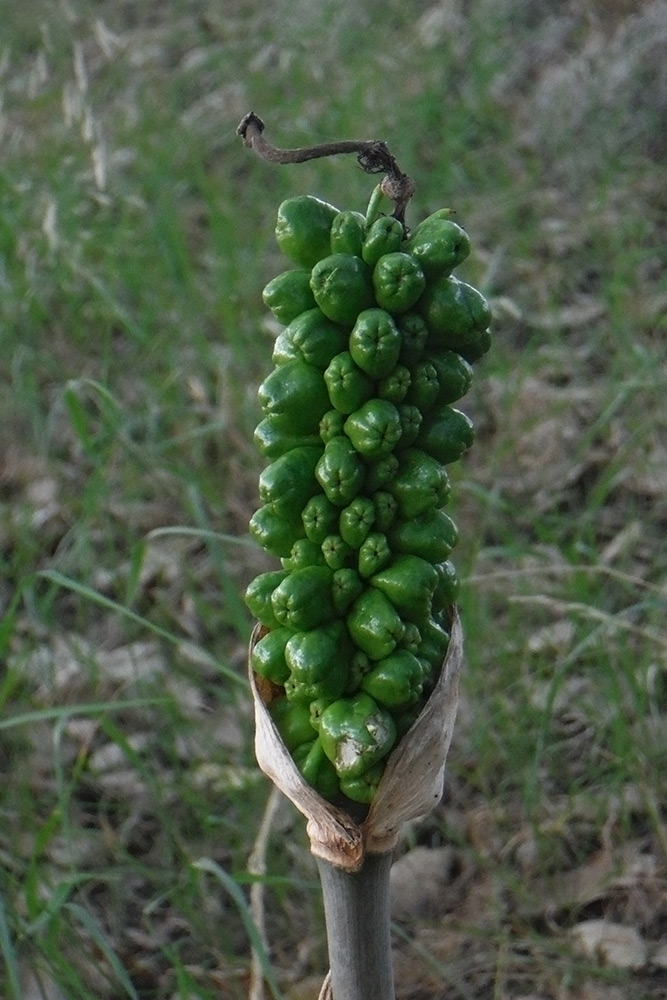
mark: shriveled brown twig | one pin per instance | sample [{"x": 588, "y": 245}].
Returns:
[{"x": 372, "y": 154}]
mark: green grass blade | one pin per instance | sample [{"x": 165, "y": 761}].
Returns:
[
  {"x": 238, "y": 615},
  {"x": 459, "y": 989},
  {"x": 204, "y": 533},
  {"x": 60, "y": 580},
  {"x": 55, "y": 902},
  {"x": 84, "y": 708},
  {"x": 78, "y": 418},
  {"x": 11, "y": 964},
  {"x": 207, "y": 865},
  {"x": 8, "y": 620},
  {"x": 90, "y": 924}
]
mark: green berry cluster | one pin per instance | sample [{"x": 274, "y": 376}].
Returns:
[{"x": 358, "y": 426}]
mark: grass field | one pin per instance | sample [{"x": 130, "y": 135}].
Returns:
[{"x": 136, "y": 234}]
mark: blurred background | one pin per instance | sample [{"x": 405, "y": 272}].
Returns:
[{"x": 136, "y": 235}]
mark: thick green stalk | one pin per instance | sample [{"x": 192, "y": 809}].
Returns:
[{"x": 356, "y": 909}]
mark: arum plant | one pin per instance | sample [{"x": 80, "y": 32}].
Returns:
[{"x": 355, "y": 658}]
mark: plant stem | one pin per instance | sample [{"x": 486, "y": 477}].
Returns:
[
  {"x": 372, "y": 154},
  {"x": 356, "y": 909}
]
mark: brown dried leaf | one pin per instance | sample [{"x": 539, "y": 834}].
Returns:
[
  {"x": 591, "y": 989},
  {"x": 610, "y": 944},
  {"x": 564, "y": 890},
  {"x": 570, "y": 317},
  {"x": 659, "y": 956},
  {"x": 136, "y": 661},
  {"x": 68, "y": 663},
  {"x": 418, "y": 882},
  {"x": 648, "y": 474},
  {"x": 305, "y": 989},
  {"x": 544, "y": 423},
  {"x": 554, "y": 638},
  {"x": 627, "y": 538},
  {"x": 42, "y": 988},
  {"x": 483, "y": 830}
]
